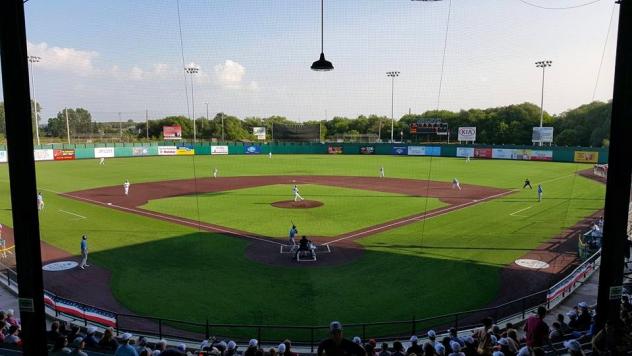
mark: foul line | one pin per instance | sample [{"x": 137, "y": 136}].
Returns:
[
  {"x": 167, "y": 217},
  {"x": 77, "y": 215},
  {"x": 521, "y": 210},
  {"x": 425, "y": 216}
]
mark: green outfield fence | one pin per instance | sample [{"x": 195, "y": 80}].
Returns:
[{"x": 171, "y": 148}]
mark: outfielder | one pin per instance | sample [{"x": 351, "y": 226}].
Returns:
[
  {"x": 456, "y": 184},
  {"x": 40, "y": 201},
  {"x": 101, "y": 161},
  {"x": 215, "y": 171},
  {"x": 467, "y": 158},
  {"x": 297, "y": 196},
  {"x": 293, "y": 233},
  {"x": 381, "y": 171},
  {"x": 527, "y": 183},
  {"x": 270, "y": 154},
  {"x": 539, "y": 193},
  {"x": 84, "y": 252},
  {"x": 126, "y": 187}
]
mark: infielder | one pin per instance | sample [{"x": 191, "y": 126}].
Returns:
[
  {"x": 293, "y": 233},
  {"x": 527, "y": 183},
  {"x": 456, "y": 184},
  {"x": 539, "y": 193},
  {"x": 215, "y": 171},
  {"x": 84, "y": 252},
  {"x": 40, "y": 201},
  {"x": 126, "y": 187},
  {"x": 381, "y": 171},
  {"x": 102, "y": 161},
  {"x": 297, "y": 196}
]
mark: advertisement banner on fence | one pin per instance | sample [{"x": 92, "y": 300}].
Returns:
[
  {"x": 4, "y": 158},
  {"x": 259, "y": 132},
  {"x": 167, "y": 150},
  {"x": 586, "y": 156},
  {"x": 43, "y": 155},
  {"x": 521, "y": 154},
  {"x": 400, "y": 150},
  {"x": 367, "y": 150},
  {"x": 424, "y": 151},
  {"x": 252, "y": 150},
  {"x": 467, "y": 134},
  {"x": 63, "y": 155},
  {"x": 334, "y": 150},
  {"x": 542, "y": 134},
  {"x": 219, "y": 150},
  {"x": 483, "y": 152},
  {"x": 502, "y": 153},
  {"x": 541, "y": 155},
  {"x": 140, "y": 151},
  {"x": 172, "y": 132},
  {"x": 465, "y": 151},
  {"x": 185, "y": 151},
  {"x": 103, "y": 152}
]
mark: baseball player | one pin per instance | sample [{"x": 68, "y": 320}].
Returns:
[
  {"x": 297, "y": 196},
  {"x": 381, "y": 171},
  {"x": 456, "y": 184},
  {"x": 215, "y": 171},
  {"x": 540, "y": 193},
  {"x": 527, "y": 183},
  {"x": 126, "y": 187},
  {"x": 467, "y": 158},
  {"x": 40, "y": 201},
  {"x": 102, "y": 161},
  {"x": 270, "y": 154},
  {"x": 293, "y": 233},
  {"x": 84, "y": 252}
]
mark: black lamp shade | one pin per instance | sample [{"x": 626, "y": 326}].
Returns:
[{"x": 322, "y": 64}]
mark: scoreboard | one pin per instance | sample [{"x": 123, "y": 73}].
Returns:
[{"x": 429, "y": 127}]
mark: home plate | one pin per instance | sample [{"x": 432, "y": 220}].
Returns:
[
  {"x": 109, "y": 203},
  {"x": 533, "y": 264}
]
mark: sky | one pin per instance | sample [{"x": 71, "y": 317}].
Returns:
[{"x": 254, "y": 56}]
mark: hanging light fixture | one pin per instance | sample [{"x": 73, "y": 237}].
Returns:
[{"x": 322, "y": 64}]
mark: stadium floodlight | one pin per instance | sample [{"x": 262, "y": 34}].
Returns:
[
  {"x": 34, "y": 59},
  {"x": 543, "y": 65},
  {"x": 322, "y": 64},
  {"x": 192, "y": 69},
  {"x": 392, "y": 75}
]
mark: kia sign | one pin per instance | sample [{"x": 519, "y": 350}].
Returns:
[
  {"x": 467, "y": 134},
  {"x": 172, "y": 132},
  {"x": 542, "y": 134},
  {"x": 219, "y": 150}
]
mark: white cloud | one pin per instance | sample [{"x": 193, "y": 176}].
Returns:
[
  {"x": 254, "y": 86},
  {"x": 136, "y": 73},
  {"x": 64, "y": 59},
  {"x": 230, "y": 74}
]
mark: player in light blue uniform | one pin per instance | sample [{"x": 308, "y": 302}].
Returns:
[
  {"x": 540, "y": 193},
  {"x": 292, "y": 234}
]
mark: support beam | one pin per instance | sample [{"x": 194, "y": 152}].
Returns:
[{"x": 619, "y": 170}]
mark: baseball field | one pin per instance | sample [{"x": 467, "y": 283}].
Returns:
[{"x": 187, "y": 246}]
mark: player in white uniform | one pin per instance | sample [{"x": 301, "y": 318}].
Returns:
[
  {"x": 102, "y": 161},
  {"x": 297, "y": 196},
  {"x": 456, "y": 184},
  {"x": 126, "y": 187},
  {"x": 382, "y": 172},
  {"x": 215, "y": 172},
  {"x": 270, "y": 154},
  {"x": 467, "y": 159},
  {"x": 40, "y": 201}
]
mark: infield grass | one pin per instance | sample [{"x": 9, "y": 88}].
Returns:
[{"x": 445, "y": 264}]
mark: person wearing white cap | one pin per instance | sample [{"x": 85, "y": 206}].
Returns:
[
  {"x": 357, "y": 340},
  {"x": 77, "y": 347},
  {"x": 125, "y": 349},
  {"x": 439, "y": 348},
  {"x": 336, "y": 344},
  {"x": 498, "y": 353},
  {"x": 456, "y": 349},
  {"x": 231, "y": 348},
  {"x": 182, "y": 347},
  {"x": 91, "y": 339},
  {"x": 584, "y": 318},
  {"x": 252, "y": 348},
  {"x": 414, "y": 348},
  {"x": 432, "y": 336},
  {"x": 574, "y": 347},
  {"x": 281, "y": 349}
]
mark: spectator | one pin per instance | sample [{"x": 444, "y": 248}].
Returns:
[
  {"x": 456, "y": 349},
  {"x": 384, "y": 350},
  {"x": 556, "y": 333},
  {"x": 357, "y": 340},
  {"x": 11, "y": 319},
  {"x": 454, "y": 337},
  {"x": 77, "y": 347},
  {"x": 512, "y": 338},
  {"x": 429, "y": 349},
  {"x": 141, "y": 345},
  {"x": 439, "y": 349},
  {"x": 125, "y": 349},
  {"x": 564, "y": 328},
  {"x": 272, "y": 351},
  {"x": 337, "y": 345},
  {"x": 505, "y": 347},
  {"x": 572, "y": 322},
  {"x": 432, "y": 336},
  {"x": 252, "y": 348},
  {"x": 74, "y": 332},
  {"x": 60, "y": 347},
  {"x": 91, "y": 339},
  {"x": 611, "y": 340},
  {"x": 398, "y": 349},
  {"x": 107, "y": 341},
  {"x": 53, "y": 334},
  {"x": 584, "y": 318},
  {"x": 414, "y": 348},
  {"x": 498, "y": 353},
  {"x": 288, "y": 348},
  {"x": 574, "y": 347},
  {"x": 12, "y": 337},
  {"x": 470, "y": 346},
  {"x": 231, "y": 348},
  {"x": 370, "y": 347},
  {"x": 182, "y": 347},
  {"x": 259, "y": 352},
  {"x": 446, "y": 345},
  {"x": 625, "y": 304},
  {"x": 537, "y": 331},
  {"x": 485, "y": 338},
  {"x": 144, "y": 351},
  {"x": 282, "y": 349}
]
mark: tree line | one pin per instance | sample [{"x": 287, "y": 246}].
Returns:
[{"x": 586, "y": 125}]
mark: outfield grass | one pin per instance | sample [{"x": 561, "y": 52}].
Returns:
[
  {"x": 445, "y": 264},
  {"x": 249, "y": 209}
]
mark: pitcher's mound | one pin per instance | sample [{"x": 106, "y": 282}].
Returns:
[{"x": 301, "y": 204}]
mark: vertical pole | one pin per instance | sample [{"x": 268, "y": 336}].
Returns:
[
  {"x": 542, "y": 104},
  {"x": 147, "y": 124},
  {"x": 19, "y": 132},
  {"x": 193, "y": 111},
  {"x": 223, "y": 140},
  {"x": 392, "y": 106},
  {"x": 207, "y": 120},
  {"x": 67, "y": 125},
  {"x": 34, "y": 103},
  {"x": 120, "y": 125},
  {"x": 614, "y": 242}
]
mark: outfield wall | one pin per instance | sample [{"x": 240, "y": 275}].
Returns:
[{"x": 512, "y": 152}]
